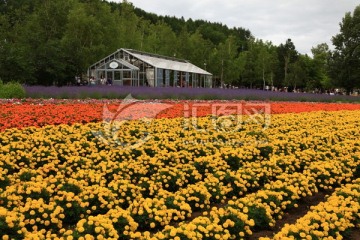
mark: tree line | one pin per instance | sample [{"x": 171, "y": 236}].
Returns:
[{"x": 47, "y": 42}]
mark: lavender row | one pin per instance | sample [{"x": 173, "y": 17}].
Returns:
[{"x": 179, "y": 93}]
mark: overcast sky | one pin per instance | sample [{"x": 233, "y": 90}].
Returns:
[{"x": 306, "y": 22}]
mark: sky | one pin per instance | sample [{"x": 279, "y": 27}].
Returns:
[{"x": 306, "y": 22}]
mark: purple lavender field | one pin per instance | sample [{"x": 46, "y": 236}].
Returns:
[{"x": 117, "y": 92}]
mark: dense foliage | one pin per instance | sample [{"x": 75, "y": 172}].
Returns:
[
  {"x": 11, "y": 90},
  {"x": 346, "y": 57},
  {"x": 49, "y": 42}
]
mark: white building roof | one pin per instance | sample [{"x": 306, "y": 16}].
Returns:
[{"x": 167, "y": 63}]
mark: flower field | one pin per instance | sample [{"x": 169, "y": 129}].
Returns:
[
  {"x": 59, "y": 180},
  {"x": 33, "y": 112}
]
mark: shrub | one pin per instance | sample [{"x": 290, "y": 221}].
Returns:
[
  {"x": 12, "y": 90},
  {"x": 198, "y": 228},
  {"x": 99, "y": 227},
  {"x": 11, "y": 224},
  {"x": 123, "y": 223},
  {"x": 39, "y": 215},
  {"x": 235, "y": 221}
]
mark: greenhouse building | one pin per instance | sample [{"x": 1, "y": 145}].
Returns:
[{"x": 127, "y": 67}]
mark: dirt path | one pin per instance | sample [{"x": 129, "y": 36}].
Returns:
[
  {"x": 296, "y": 213},
  {"x": 291, "y": 216}
]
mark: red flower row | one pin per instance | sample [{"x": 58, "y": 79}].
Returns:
[{"x": 53, "y": 112}]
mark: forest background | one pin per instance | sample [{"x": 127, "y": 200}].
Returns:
[{"x": 47, "y": 42}]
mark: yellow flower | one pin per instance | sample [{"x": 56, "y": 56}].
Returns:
[{"x": 173, "y": 232}]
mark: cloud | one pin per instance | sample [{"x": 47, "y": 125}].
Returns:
[{"x": 306, "y": 22}]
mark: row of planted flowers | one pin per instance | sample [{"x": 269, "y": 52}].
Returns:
[
  {"x": 331, "y": 219},
  {"x": 63, "y": 181},
  {"x": 255, "y": 211},
  {"x": 34, "y": 112}
]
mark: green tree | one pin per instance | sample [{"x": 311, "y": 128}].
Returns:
[
  {"x": 6, "y": 59},
  {"x": 227, "y": 53},
  {"x": 14, "y": 64},
  {"x": 266, "y": 61},
  {"x": 17, "y": 11},
  {"x": 161, "y": 40},
  {"x": 39, "y": 41},
  {"x": 213, "y": 32},
  {"x": 299, "y": 72},
  {"x": 183, "y": 45},
  {"x": 258, "y": 64},
  {"x": 200, "y": 50},
  {"x": 250, "y": 75},
  {"x": 240, "y": 63},
  {"x": 91, "y": 33},
  {"x": 346, "y": 56},
  {"x": 287, "y": 56},
  {"x": 320, "y": 73},
  {"x": 131, "y": 29}
]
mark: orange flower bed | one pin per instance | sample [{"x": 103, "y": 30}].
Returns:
[
  {"x": 177, "y": 110},
  {"x": 54, "y": 112}
]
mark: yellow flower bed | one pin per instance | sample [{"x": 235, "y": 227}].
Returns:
[
  {"x": 329, "y": 219},
  {"x": 260, "y": 210},
  {"x": 63, "y": 182}
]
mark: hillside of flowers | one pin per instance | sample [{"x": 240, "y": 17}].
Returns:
[{"x": 67, "y": 174}]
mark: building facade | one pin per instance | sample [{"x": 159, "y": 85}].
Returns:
[{"x": 128, "y": 67}]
